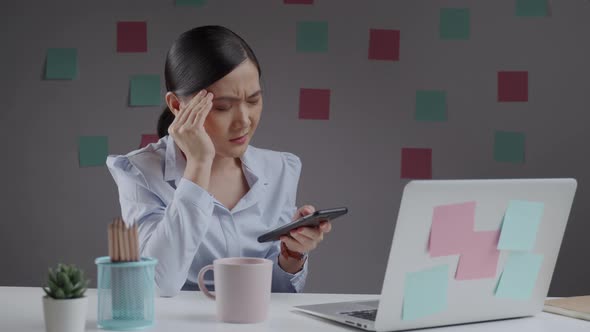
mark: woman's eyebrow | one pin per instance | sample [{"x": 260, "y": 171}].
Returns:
[{"x": 233, "y": 98}]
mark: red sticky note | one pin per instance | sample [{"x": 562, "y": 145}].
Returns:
[
  {"x": 147, "y": 139},
  {"x": 416, "y": 163},
  {"x": 451, "y": 232},
  {"x": 480, "y": 259},
  {"x": 298, "y": 2},
  {"x": 513, "y": 86},
  {"x": 131, "y": 37},
  {"x": 384, "y": 44},
  {"x": 314, "y": 104}
]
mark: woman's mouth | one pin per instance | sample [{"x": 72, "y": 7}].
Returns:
[{"x": 239, "y": 140}]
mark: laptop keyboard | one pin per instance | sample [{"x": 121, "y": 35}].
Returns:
[{"x": 364, "y": 314}]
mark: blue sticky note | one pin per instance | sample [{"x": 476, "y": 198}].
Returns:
[
  {"x": 92, "y": 150},
  {"x": 431, "y": 106},
  {"x": 425, "y": 292},
  {"x": 520, "y": 225},
  {"x": 61, "y": 64},
  {"x": 519, "y": 276},
  {"x": 531, "y": 8},
  {"x": 509, "y": 147},
  {"x": 312, "y": 36},
  {"x": 192, "y": 3},
  {"x": 145, "y": 90},
  {"x": 454, "y": 23}
]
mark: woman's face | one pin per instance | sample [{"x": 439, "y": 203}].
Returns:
[{"x": 237, "y": 104}]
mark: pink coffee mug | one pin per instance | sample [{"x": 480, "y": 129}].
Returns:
[{"x": 242, "y": 288}]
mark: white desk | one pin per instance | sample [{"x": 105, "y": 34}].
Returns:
[{"x": 21, "y": 310}]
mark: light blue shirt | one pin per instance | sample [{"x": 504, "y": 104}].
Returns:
[{"x": 186, "y": 228}]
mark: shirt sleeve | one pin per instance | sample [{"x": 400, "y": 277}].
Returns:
[
  {"x": 172, "y": 234},
  {"x": 283, "y": 281}
]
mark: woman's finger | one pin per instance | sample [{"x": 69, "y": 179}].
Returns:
[
  {"x": 293, "y": 244},
  {"x": 196, "y": 110},
  {"x": 312, "y": 233},
  {"x": 307, "y": 243},
  {"x": 303, "y": 211},
  {"x": 200, "y": 119},
  {"x": 326, "y": 227}
]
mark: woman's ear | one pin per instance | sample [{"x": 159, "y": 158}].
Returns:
[{"x": 173, "y": 102}]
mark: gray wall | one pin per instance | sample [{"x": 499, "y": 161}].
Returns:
[{"x": 52, "y": 210}]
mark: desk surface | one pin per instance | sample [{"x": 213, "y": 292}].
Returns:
[{"x": 21, "y": 310}]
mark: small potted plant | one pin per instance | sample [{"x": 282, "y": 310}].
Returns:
[{"x": 65, "y": 305}]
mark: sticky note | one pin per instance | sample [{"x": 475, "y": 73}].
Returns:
[
  {"x": 513, "y": 86},
  {"x": 431, "y": 106},
  {"x": 531, "y": 8},
  {"x": 480, "y": 259},
  {"x": 147, "y": 139},
  {"x": 384, "y": 44},
  {"x": 454, "y": 23},
  {"x": 92, "y": 150},
  {"x": 519, "y": 276},
  {"x": 520, "y": 225},
  {"x": 298, "y": 2},
  {"x": 416, "y": 163},
  {"x": 145, "y": 90},
  {"x": 509, "y": 147},
  {"x": 314, "y": 104},
  {"x": 191, "y": 3},
  {"x": 452, "y": 228},
  {"x": 131, "y": 37},
  {"x": 312, "y": 36},
  {"x": 425, "y": 292},
  {"x": 61, "y": 64}
]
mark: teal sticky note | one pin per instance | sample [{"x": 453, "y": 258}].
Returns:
[
  {"x": 61, "y": 64},
  {"x": 191, "y": 3},
  {"x": 145, "y": 90},
  {"x": 531, "y": 8},
  {"x": 509, "y": 147},
  {"x": 519, "y": 276},
  {"x": 431, "y": 106},
  {"x": 93, "y": 150},
  {"x": 425, "y": 292},
  {"x": 454, "y": 23},
  {"x": 520, "y": 225},
  {"x": 312, "y": 36}
]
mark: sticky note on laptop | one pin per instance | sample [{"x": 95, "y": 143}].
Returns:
[
  {"x": 519, "y": 277},
  {"x": 452, "y": 229},
  {"x": 425, "y": 292},
  {"x": 520, "y": 225}
]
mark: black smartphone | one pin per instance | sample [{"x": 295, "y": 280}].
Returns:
[{"x": 313, "y": 219}]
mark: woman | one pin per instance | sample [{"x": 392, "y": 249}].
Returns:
[{"x": 201, "y": 192}]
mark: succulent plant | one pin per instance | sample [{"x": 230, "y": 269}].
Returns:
[{"x": 66, "y": 282}]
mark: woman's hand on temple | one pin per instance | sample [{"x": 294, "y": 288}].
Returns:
[{"x": 188, "y": 130}]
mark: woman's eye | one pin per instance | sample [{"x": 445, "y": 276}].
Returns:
[
  {"x": 254, "y": 102},
  {"x": 222, "y": 107}
]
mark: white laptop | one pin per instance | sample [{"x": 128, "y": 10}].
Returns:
[{"x": 426, "y": 286}]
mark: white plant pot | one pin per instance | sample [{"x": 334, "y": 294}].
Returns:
[{"x": 65, "y": 315}]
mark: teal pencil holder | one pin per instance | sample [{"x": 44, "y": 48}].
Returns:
[{"x": 126, "y": 292}]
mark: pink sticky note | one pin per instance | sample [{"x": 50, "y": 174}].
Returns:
[
  {"x": 513, "y": 86},
  {"x": 314, "y": 104},
  {"x": 416, "y": 163},
  {"x": 131, "y": 37},
  {"x": 384, "y": 44},
  {"x": 298, "y": 2},
  {"x": 452, "y": 229},
  {"x": 147, "y": 139},
  {"x": 480, "y": 260}
]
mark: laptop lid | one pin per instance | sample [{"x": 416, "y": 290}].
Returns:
[{"x": 473, "y": 250}]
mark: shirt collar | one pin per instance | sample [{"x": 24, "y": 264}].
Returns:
[{"x": 253, "y": 170}]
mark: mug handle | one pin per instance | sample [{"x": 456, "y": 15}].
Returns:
[{"x": 201, "y": 281}]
